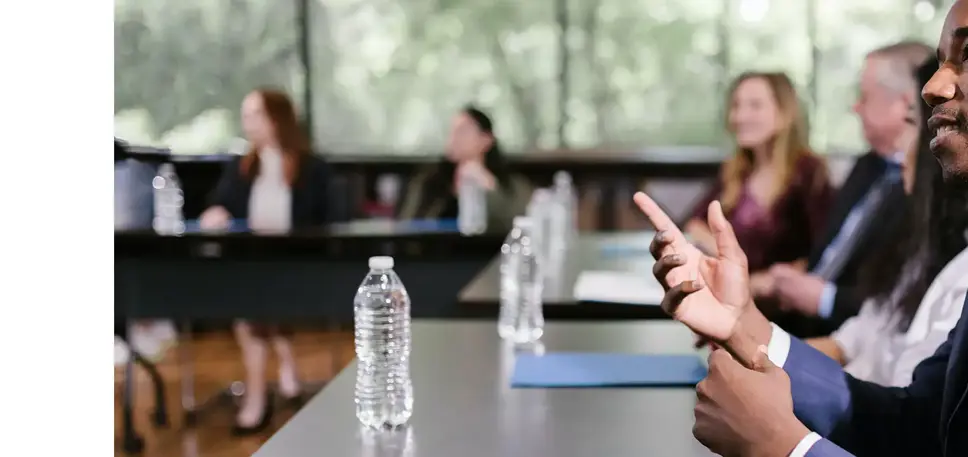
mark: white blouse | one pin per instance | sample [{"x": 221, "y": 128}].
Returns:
[
  {"x": 270, "y": 202},
  {"x": 876, "y": 351}
]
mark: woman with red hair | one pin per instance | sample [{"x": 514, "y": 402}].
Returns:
[{"x": 278, "y": 185}]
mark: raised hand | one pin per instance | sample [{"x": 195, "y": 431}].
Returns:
[
  {"x": 215, "y": 218},
  {"x": 707, "y": 294}
]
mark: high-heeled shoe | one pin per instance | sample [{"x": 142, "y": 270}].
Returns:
[
  {"x": 295, "y": 401},
  {"x": 292, "y": 401},
  {"x": 264, "y": 421}
]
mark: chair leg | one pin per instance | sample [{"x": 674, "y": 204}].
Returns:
[
  {"x": 160, "y": 414},
  {"x": 185, "y": 361},
  {"x": 131, "y": 442}
]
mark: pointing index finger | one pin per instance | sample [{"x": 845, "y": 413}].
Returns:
[{"x": 660, "y": 220}]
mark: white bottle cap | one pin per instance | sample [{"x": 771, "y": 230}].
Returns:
[
  {"x": 520, "y": 221},
  {"x": 381, "y": 262}
]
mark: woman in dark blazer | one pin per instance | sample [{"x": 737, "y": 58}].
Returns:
[
  {"x": 472, "y": 152},
  {"x": 278, "y": 185}
]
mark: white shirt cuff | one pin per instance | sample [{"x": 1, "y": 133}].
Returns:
[
  {"x": 805, "y": 444},
  {"x": 779, "y": 347}
]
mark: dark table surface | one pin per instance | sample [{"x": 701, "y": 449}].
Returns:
[
  {"x": 356, "y": 240},
  {"x": 464, "y": 405},
  {"x": 304, "y": 274},
  {"x": 624, "y": 252}
]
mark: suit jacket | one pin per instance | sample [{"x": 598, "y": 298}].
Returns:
[
  {"x": 120, "y": 151},
  {"x": 868, "y": 169},
  {"x": 310, "y": 193},
  {"x": 503, "y": 204},
  {"x": 927, "y": 418}
]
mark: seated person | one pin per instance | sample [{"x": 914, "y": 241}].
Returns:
[
  {"x": 472, "y": 151},
  {"x": 768, "y": 393},
  {"x": 775, "y": 190},
  {"x": 865, "y": 205},
  {"x": 916, "y": 290},
  {"x": 278, "y": 185},
  {"x": 133, "y": 211}
]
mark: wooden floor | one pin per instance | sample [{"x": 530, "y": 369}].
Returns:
[{"x": 216, "y": 365}]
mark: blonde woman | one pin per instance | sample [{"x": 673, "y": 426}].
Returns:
[{"x": 774, "y": 190}]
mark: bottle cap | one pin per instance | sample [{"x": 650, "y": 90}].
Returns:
[
  {"x": 562, "y": 176},
  {"x": 381, "y": 262},
  {"x": 520, "y": 221}
]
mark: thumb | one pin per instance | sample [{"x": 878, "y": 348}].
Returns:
[
  {"x": 762, "y": 362},
  {"x": 726, "y": 242}
]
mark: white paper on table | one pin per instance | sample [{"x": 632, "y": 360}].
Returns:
[{"x": 618, "y": 287}]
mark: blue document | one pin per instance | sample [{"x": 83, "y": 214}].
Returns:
[
  {"x": 235, "y": 226},
  {"x": 594, "y": 369},
  {"x": 430, "y": 225}
]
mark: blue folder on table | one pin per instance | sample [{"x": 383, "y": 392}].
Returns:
[
  {"x": 594, "y": 369},
  {"x": 235, "y": 226},
  {"x": 431, "y": 225}
]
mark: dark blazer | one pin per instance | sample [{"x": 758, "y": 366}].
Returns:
[
  {"x": 120, "y": 151},
  {"x": 310, "y": 193},
  {"x": 419, "y": 202},
  {"x": 867, "y": 170},
  {"x": 927, "y": 418}
]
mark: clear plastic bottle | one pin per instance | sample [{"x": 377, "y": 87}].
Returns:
[
  {"x": 471, "y": 207},
  {"x": 168, "y": 202},
  {"x": 539, "y": 211},
  {"x": 521, "y": 317},
  {"x": 384, "y": 393},
  {"x": 565, "y": 213}
]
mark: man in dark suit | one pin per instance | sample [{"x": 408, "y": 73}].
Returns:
[
  {"x": 866, "y": 206},
  {"x": 768, "y": 394},
  {"x": 132, "y": 190}
]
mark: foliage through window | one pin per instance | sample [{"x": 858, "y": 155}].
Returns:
[
  {"x": 386, "y": 76},
  {"x": 182, "y": 68}
]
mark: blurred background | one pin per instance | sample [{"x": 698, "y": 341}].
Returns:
[
  {"x": 382, "y": 76},
  {"x": 614, "y": 95}
]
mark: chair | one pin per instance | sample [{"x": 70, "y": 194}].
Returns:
[
  {"x": 132, "y": 209},
  {"x": 131, "y": 442}
]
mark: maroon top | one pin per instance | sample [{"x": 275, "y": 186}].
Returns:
[{"x": 787, "y": 231}]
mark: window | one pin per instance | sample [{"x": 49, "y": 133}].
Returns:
[
  {"x": 644, "y": 73},
  {"x": 182, "y": 68},
  {"x": 846, "y": 32},
  {"x": 388, "y": 76},
  {"x": 774, "y": 35}
]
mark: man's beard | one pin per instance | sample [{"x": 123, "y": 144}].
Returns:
[{"x": 954, "y": 179}]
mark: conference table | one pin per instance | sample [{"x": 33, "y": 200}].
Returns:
[
  {"x": 309, "y": 273},
  {"x": 289, "y": 277},
  {"x": 464, "y": 405},
  {"x": 612, "y": 252}
]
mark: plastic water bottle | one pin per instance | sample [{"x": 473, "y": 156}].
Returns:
[
  {"x": 168, "y": 219},
  {"x": 539, "y": 212},
  {"x": 384, "y": 394},
  {"x": 521, "y": 319},
  {"x": 471, "y": 207},
  {"x": 565, "y": 209}
]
